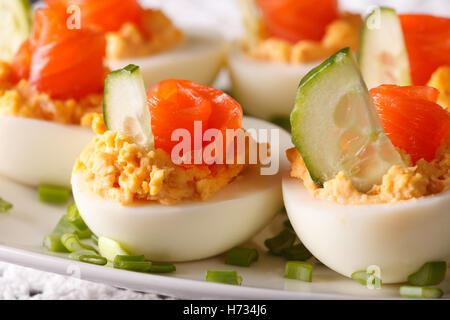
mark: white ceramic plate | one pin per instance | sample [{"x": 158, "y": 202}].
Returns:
[{"x": 23, "y": 228}]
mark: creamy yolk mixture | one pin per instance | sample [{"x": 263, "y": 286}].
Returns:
[
  {"x": 440, "y": 79},
  {"x": 399, "y": 183},
  {"x": 23, "y": 100},
  {"x": 116, "y": 168},
  {"x": 130, "y": 42},
  {"x": 343, "y": 32}
]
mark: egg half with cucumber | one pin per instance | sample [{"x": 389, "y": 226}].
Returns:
[
  {"x": 128, "y": 188},
  {"x": 355, "y": 200}
]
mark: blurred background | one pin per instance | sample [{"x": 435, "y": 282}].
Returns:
[{"x": 223, "y": 15}]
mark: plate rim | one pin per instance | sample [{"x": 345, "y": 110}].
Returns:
[{"x": 179, "y": 288}]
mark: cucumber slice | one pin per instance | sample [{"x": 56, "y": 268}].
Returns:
[
  {"x": 125, "y": 105},
  {"x": 335, "y": 126},
  {"x": 382, "y": 54},
  {"x": 251, "y": 19},
  {"x": 15, "y": 26}
]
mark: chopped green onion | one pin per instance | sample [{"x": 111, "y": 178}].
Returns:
[
  {"x": 129, "y": 262},
  {"x": 94, "y": 259},
  {"x": 420, "y": 292},
  {"x": 5, "y": 206},
  {"x": 85, "y": 234},
  {"x": 64, "y": 226},
  {"x": 162, "y": 268},
  {"x": 52, "y": 242},
  {"x": 110, "y": 248},
  {"x": 228, "y": 277},
  {"x": 298, "y": 270},
  {"x": 122, "y": 258},
  {"x": 296, "y": 252},
  {"x": 73, "y": 244},
  {"x": 76, "y": 254},
  {"x": 88, "y": 256},
  {"x": 431, "y": 273},
  {"x": 94, "y": 239},
  {"x": 134, "y": 263},
  {"x": 73, "y": 215},
  {"x": 241, "y": 256},
  {"x": 363, "y": 277},
  {"x": 139, "y": 266},
  {"x": 52, "y": 194},
  {"x": 283, "y": 240}
]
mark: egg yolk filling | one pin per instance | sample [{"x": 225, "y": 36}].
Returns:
[
  {"x": 340, "y": 33},
  {"x": 131, "y": 30},
  {"x": 24, "y": 100},
  {"x": 157, "y": 34},
  {"x": 399, "y": 183},
  {"x": 116, "y": 168},
  {"x": 440, "y": 79},
  {"x": 419, "y": 129}
]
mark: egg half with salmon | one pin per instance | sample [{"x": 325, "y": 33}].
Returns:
[
  {"x": 369, "y": 178},
  {"x": 147, "y": 37},
  {"x": 52, "y": 89},
  {"x": 151, "y": 185}
]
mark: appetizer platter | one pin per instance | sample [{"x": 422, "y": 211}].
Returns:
[{"x": 120, "y": 163}]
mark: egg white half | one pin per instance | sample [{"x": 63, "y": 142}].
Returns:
[
  {"x": 397, "y": 237},
  {"x": 264, "y": 89},
  {"x": 36, "y": 151},
  {"x": 190, "y": 230},
  {"x": 199, "y": 59}
]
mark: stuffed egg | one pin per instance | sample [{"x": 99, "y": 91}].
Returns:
[
  {"x": 129, "y": 186},
  {"x": 50, "y": 95},
  {"x": 51, "y": 91},
  {"x": 284, "y": 40},
  {"x": 356, "y": 198},
  {"x": 148, "y": 38}
]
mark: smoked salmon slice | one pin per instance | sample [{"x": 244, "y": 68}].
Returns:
[
  {"x": 176, "y": 104},
  {"x": 65, "y": 63},
  {"x": 412, "y": 119},
  {"x": 295, "y": 20},
  {"x": 427, "y": 41},
  {"x": 21, "y": 62}
]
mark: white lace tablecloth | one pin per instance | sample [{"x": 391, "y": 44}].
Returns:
[{"x": 23, "y": 283}]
